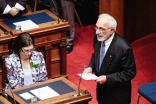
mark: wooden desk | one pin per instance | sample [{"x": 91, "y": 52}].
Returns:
[
  {"x": 5, "y": 38},
  {"x": 50, "y": 39},
  {"x": 66, "y": 98},
  {"x": 4, "y": 101}
]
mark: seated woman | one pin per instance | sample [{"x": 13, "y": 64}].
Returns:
[{"x": 25, "y": 66}]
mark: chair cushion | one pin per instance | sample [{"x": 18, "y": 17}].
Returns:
[{"x": 148, "y": 91}]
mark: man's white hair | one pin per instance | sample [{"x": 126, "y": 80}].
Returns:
[{"x": 113, "y": 23}]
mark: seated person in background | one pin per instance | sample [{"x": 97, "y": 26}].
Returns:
[
  {"x": 25, "y": 66},
  {"x": 12, "y": 7}
]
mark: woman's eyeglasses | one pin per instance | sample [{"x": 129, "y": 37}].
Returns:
[{"x": 27, "y": 51}]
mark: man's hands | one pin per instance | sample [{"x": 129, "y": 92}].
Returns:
[
  {"x": 101, "y": 79},
  {"x": 88, "y": 70},
  {"x": 14, "y": 11}
]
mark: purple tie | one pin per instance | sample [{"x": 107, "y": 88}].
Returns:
[{"x": 102, "y": 53}]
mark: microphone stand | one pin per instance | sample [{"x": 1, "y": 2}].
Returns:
[
  {"x": 56, "y": 11},
  {"x": 80, "y": 81},
  {"x": 2, "y": 94},
  {"x": 7, "y": 82}
]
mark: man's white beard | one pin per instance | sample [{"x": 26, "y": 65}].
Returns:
[{"x": 101, "y": 39}]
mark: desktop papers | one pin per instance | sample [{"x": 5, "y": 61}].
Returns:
[
  {"x": 88, "y": 76},
  {"x": 26, "y": 25},
  {"x": 44, "y": 92},
  {"x": 26, "y": 95}
]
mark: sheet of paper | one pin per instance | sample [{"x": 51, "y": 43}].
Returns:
[
  {"x": 44, "y": 92},
  {"x": 26, "y": 95},
  {"x": 26, "y": 25},
  {"x": 88, "y": 76}
]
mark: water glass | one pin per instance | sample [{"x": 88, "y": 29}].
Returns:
[
  {"x": 18, "y": 28},
  {"x": 34, "y": 100}
]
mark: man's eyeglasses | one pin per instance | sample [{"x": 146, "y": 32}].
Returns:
[
  {"x": 27, "y": 51},
  {"x": 100, "y": 29}
]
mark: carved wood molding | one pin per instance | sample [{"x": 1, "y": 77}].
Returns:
[
  {"x": 63, "y": 44},
  {"x": 64, "y": 34},
  {"x": 48, "y": 47}
]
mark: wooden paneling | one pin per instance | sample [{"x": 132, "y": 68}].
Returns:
[
  {"x": 114, "y": 8},
  {"x": 135, "y": 18},
  {"x": 139, "y": 18}
]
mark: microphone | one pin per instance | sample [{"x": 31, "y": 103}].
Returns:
[
  {"x": 80, "y": 81},
  {"x": 56, "y": 11},
  {"x": 2, "y": 94},
  {"x": 7, "y": 82},
  {"x": 3, "y": 29}
]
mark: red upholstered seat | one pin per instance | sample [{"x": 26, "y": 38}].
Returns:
[{"x": 145, "y": 57}]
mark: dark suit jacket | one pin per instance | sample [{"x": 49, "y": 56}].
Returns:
[
  {"x": 4, "y": 3},
  {"x": 119, "y": 67}
]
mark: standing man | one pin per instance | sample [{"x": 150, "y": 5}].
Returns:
[
  {"x": 113, "y": 62},
  {"x": 12, "y": 7},
  {"x": 68, "y": 13}
]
